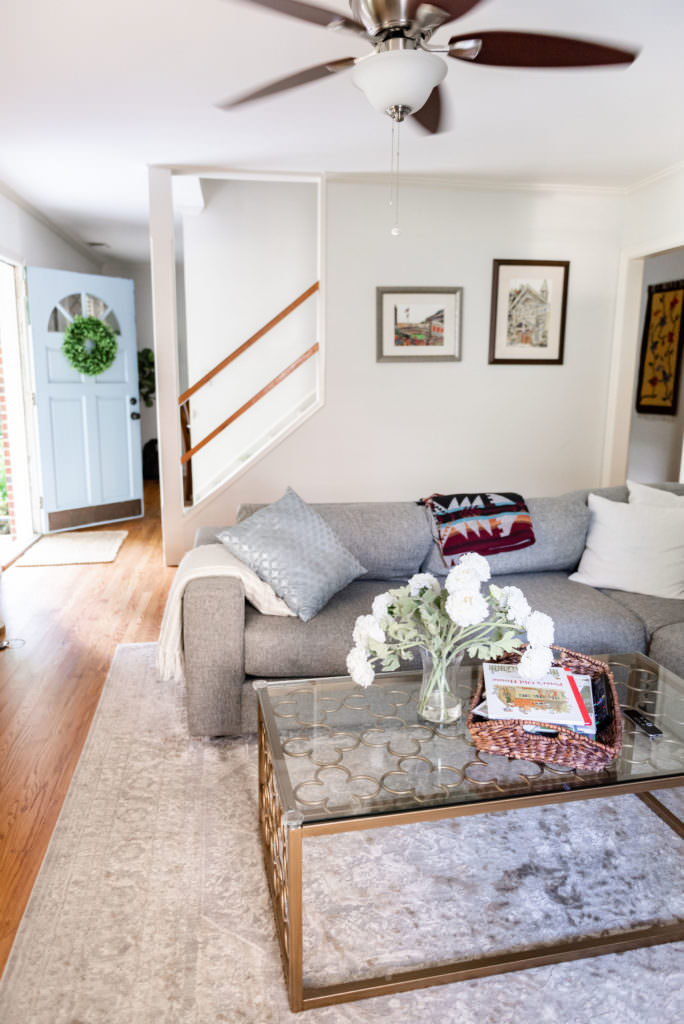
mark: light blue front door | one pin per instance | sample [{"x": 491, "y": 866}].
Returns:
[{"x": 88, "y": 427}]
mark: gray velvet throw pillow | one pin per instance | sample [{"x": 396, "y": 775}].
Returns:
[{"x": 291, "y": 547}]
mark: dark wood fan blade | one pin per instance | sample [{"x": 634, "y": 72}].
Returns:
[
  {"x": 300, "y": 78},
  {"x": 429, "y": 116},
  {"x": 534, "y": 50},
  {"x": 316, "y": 15}
]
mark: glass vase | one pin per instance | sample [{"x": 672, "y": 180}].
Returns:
[{"x": 438, "y": 700}]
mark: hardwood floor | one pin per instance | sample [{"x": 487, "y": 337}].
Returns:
[{"x": 71, "y": 618}]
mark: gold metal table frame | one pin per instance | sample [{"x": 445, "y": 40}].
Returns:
[{"x": 283, "y": 832}]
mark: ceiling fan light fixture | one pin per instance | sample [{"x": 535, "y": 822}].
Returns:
[{"x": 398, "y": 78}]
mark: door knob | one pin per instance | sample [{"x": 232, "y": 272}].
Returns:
[{"x": 135, "y": 415}]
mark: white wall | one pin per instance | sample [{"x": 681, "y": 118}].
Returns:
[
  {"x": 655, "y": 443},
  {"x": 248, "y": 254},
  {"x": 24, "y": 238},
  {"x": 399, "y": 431},
  {"x": 654, "y": 218}
]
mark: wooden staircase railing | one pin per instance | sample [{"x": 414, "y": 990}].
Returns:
[{"x": 190, "y": 449}]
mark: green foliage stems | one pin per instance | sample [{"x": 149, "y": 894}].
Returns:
[
  {"x": 146, "y": 379},
  {"x": 423, "y": 626}
]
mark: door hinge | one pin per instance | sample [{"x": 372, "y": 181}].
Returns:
[
  {"x": 40, "y": 501},
  {"x": 33, "y": 397}
]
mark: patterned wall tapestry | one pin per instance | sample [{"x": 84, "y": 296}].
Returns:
[{"x": 661, "y": 349}]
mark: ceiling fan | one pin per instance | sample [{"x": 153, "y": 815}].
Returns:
[{"x": 401, "y": 75}]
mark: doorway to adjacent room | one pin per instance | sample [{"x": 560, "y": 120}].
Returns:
[{"x": 16, "y": 515}]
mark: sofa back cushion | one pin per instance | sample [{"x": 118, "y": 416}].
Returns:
[
  {"x": 560, "y": 528},
  {"x": 391, "y": 538},
  {"x": 620, "y": 492}
]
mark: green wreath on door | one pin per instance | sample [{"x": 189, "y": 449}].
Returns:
[{"x": 99, "y": 356}]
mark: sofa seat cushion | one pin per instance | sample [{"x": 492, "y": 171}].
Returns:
[
  {"x": 667, "y": 647},
  {"x": 316, "y": 648},
  {"x": 585, "y": 620},
  {"x": 391, "y": 538},
  {"x": 653, "y": 611}
]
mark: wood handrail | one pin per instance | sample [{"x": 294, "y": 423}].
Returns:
[
  {"x": 250, "y": 341},
  {"x": 253, "y": 400}
]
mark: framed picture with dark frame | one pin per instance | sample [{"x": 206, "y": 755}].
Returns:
[
  {"x": 660, "y": 365},
  {"x": 419, "y": 325},
  {"x": 529, "y": 300}
]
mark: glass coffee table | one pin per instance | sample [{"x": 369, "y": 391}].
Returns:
[{"x": 334, "y": 757}]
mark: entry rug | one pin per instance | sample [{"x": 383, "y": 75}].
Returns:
[
  {"x": 152, "y": 904},
  {"x": 74, "y": 547}
]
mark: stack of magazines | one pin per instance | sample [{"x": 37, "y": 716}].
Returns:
[{"x": 560, "y": 698}]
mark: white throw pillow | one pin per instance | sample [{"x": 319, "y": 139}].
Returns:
[
  {"x": 634, "y": 547},
  {"x": 643, "y": 494}
]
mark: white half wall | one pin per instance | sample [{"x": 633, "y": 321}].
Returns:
[
  {"x": 247, "y": 255},
  {"x": 401, "y": 431}
]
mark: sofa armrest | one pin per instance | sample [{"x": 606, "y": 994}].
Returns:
[{"x": 214, "y": 651}]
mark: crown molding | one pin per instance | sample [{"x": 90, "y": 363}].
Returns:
[
  {"x": 424, "y": 180},
  {"x": 232, "y": 174},
  {"x": 653, "y": 179},
  {"x": 447, "y": 181},
  {"x": 43, "y": 219}
]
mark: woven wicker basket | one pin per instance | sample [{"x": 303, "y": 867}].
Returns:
[{"x": 567, "y": 748}]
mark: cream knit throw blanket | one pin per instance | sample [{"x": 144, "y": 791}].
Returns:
[{"x": 207, "y": 560}]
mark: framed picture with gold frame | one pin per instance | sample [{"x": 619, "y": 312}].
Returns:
[{"x": 660, "y": 365}]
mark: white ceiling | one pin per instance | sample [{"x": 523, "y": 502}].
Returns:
[{"x": 95, "y": 91}]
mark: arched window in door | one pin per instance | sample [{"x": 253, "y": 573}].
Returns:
[{"x": 81, "y": 304}]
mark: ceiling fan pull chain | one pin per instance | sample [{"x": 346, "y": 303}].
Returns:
[
  {"x": 396, "y": 152},
  {"x": 391, "y": 190}
]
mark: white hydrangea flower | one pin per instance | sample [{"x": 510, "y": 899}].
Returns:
[
  {"x": 539, "y": 628},
  {"x": 421, "y": 580},
  {"x": 380, "y": 605},
  {"x": 359, "y": 667},
  {"x": 517, "y": 608},
  {"x": 536, "y": 662},
  {"x": 476, "y": 564},
  {"x": 462, "y": 578},
  {"x": 467, "y": 607},
  {"x": 367, "y": 628}
]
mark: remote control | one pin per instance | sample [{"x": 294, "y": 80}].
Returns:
[{"x": 643, "y": 723}]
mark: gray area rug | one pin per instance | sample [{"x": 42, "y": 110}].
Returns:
[{"x": 151, "y": 906}]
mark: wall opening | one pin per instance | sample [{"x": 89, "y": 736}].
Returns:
[{"x": 655, "y": 440}]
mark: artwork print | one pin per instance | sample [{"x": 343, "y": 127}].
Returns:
[
  {"x": 661, "y": 350},
  {"x": 528, "y": 318},
  {"x": 528, "y": 311},
  {"x": 418, "y": 324}
]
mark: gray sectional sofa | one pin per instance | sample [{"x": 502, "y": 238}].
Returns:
[{"x": 228, "y": 643}]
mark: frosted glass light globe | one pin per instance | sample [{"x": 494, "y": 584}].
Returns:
[{"x": 399, "y": 78}]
